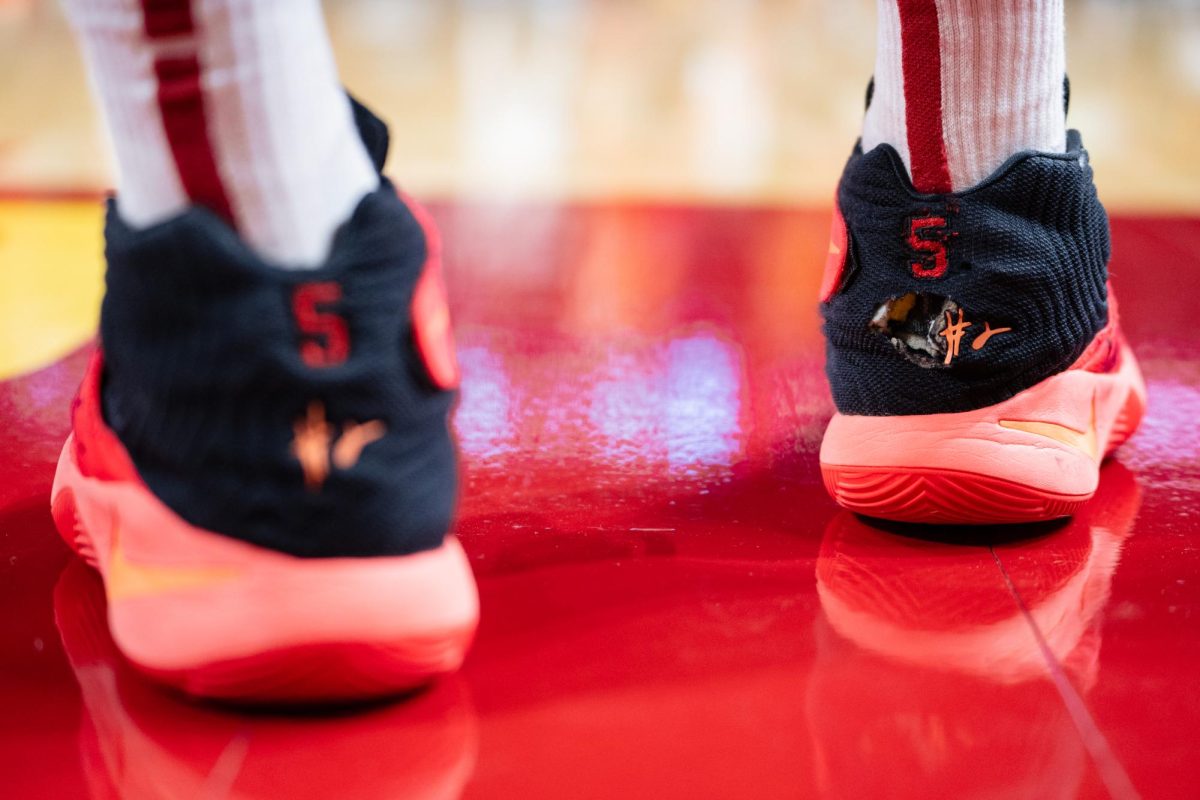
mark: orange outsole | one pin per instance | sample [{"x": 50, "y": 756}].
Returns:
[{"x": 944, "y": 496}]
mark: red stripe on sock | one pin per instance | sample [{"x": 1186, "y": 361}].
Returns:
[
  {"x": 181, "y": 101},
  {"x": 181, "y": 104},
  {"x": 921, "y": 48},
  {"x": 162, "y": 18}
]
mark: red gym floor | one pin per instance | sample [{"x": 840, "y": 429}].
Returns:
[{"x": 672, "y": 605}]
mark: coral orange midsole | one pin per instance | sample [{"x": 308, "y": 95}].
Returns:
[
  {"x": 181, "y": 598},
  {"x": 1048, "y": 440}
]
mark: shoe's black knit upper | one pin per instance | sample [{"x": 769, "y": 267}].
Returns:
[
  {"x": 1026, "y": 250},
  {"x": 206, "y": 386}
]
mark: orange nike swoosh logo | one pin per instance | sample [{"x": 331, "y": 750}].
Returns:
[
  {"x": 988, "y": 333},
  {"x": 1085, "y": 441},
  {"x": 126, "y": 579}
]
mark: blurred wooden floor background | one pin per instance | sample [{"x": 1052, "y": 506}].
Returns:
[{"x": 710, "y": 100}]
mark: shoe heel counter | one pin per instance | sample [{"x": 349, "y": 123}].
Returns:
[
  {"x": 293, "y": 410},
  {"x": 953, "y": 302}
]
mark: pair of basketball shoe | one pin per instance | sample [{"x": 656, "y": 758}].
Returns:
[{"x": 261, "y": 469}]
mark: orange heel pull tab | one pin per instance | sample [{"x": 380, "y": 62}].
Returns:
[
  {"x": 430, "y": 312},
  {"x": 835, "y": 262}
]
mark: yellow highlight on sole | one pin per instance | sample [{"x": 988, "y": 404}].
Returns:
[
  {"x": 1084, "y": 441},
  {"x": 127, "y": 580},
  {"x": 51, "y": 280}
]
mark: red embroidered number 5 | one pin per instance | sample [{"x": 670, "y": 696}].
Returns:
[
  {"x": 326, "y": 338},
  {"x": 927, "y": 237}
]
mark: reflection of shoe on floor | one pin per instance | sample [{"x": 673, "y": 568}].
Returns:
[
  {"x": 138, "y": 741},
  {"x": 947, "y": 606},
  {"x": 924, "y": 657},
  {"x": 260, "y": 465},
  {"x": 1067, "y": 602},
  {"x": 974, "y": 349},
  {"x": 888, "y": 728}
]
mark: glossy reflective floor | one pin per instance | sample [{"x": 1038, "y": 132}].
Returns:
[{"x": 672, "y": 606}]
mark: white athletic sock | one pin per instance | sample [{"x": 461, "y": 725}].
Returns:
[
  {"x": 230, "y": 104},
  {"x": 961, "y": 85}
]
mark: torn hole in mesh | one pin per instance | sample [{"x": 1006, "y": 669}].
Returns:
[{"x": 913, "y": 323}]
